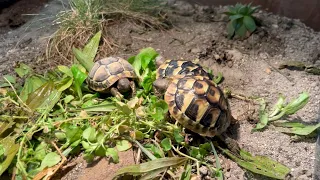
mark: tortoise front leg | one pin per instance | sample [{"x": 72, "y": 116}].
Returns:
[
  {"x": 231, "y": 144},
  {"x": 115, "y": 92},
  {"x": 133, "y": 88}
]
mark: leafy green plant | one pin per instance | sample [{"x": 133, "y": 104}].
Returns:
[
  {"x": 281, "y": 109},
  {"x": 241, "y": 20},
  {"x": 145, "y": 66}
]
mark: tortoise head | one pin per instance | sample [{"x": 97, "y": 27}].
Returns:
[
  {"x": 160, "y": 86},
  {"x": 159, "y": 60},
  {"x": 123, "y": 85}
]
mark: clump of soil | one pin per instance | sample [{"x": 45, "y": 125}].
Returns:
[{"x": 249, "y": 67}]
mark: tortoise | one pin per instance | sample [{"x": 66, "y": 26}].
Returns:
[
  {"x": 112, "y": 75},
  {"x": 198, "y": 105},
  {"x": 171, "y": 67}
]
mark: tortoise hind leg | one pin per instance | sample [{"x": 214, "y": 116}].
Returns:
[
  {"x": 231, "y": 144},
  {"x": 115, "y": 92}
]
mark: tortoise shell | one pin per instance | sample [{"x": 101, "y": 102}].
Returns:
[
  {"x": 107, "y": 71},
  {"x": 198, "y": 105},
  {"x": 180, "y": 67}
]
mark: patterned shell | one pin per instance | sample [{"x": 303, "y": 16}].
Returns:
[
  {"x": 107, "y": 72},
  {"x": 179, "y": 67},
  {"x": 198, "y": 105}
]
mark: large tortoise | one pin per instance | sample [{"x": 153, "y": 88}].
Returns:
[
  {"x": 112, "y": 75},
  {"x": 198, "y": 105}
]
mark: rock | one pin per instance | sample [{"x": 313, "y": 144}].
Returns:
[
  {"x": 234, "y": 55},
  {"x": 203, "y": 170}
]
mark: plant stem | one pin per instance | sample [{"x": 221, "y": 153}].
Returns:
[
  {"x": 277, "y": 117},
  {"x": 194, "y": 159}
]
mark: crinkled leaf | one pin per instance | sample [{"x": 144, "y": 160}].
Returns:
[
  {"x": 23, "y": 70},
  {"x": 144, "y": 60},
  {"x": 147, "y": 82},
  {"x": 65, "y": 70},
  {"x": 297, "y": 104},
  {"x": 166, "y": 144},
  {"x": 51, "y": 159},
  {"x": 112, "y": 152},
  {"x": 131, "y": 59},
  {"x": 11, "y": 150},
  {"x": 151, "y": 166},
  {"x": 147, "y": 55},
  {"x": 82, "y": 58},
  {"x": 79, "y": 78},
  {"x": 90, "y": 49},
  {"x": 260, "y": 165},
  {"x": 89, "y": 134},
  {"x": 298, "y": 128},
  {"x": 123, "y": 145},
  {"x": 263, "y": 116},
  {"x": 248, "y": 21}
]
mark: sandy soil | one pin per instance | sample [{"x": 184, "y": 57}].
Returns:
[{"x": 249, "y": 67}]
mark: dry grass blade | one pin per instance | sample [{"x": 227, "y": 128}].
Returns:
[{"x": 86, "y": 18}]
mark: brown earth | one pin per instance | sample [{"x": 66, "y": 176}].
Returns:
[{"x": 249, "y": 67}]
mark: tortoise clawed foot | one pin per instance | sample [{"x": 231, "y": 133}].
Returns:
[
  {"x": 231, "y": 144},
  {"x": 115, "y": 92}
]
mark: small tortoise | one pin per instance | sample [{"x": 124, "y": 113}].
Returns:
[
  {"x": 112, "y": 75},
  {"x": 167, "y": 68},
  {"x": 198, "y": 105}
]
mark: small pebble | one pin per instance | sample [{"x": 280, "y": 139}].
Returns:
[{"x": 203, "y": 170}]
